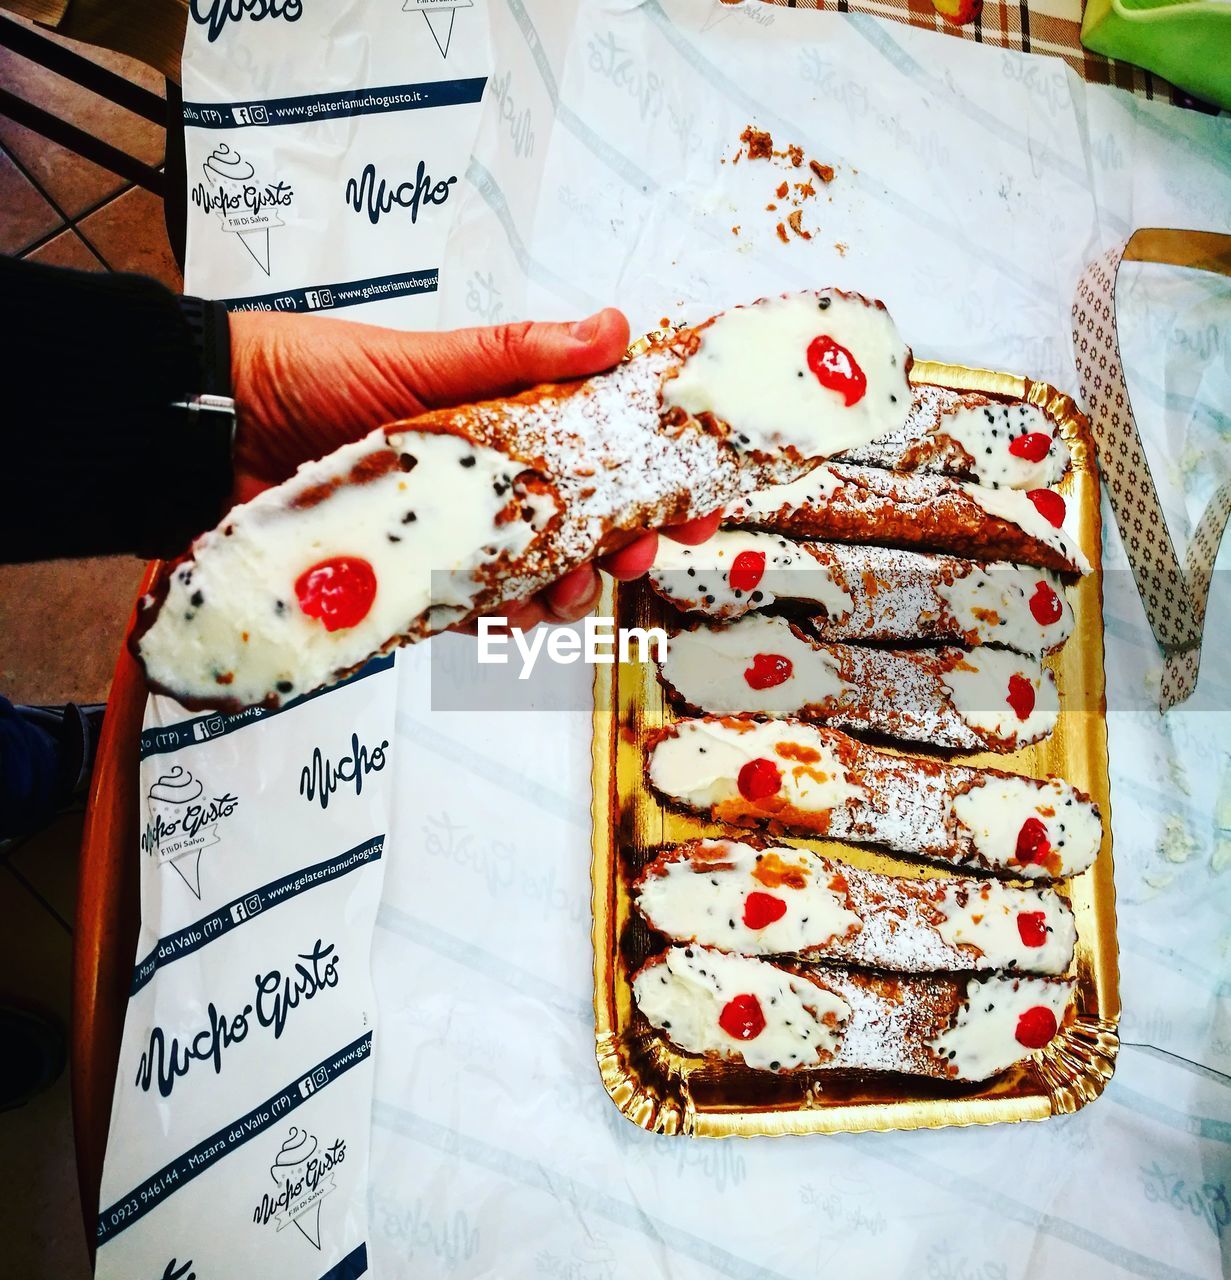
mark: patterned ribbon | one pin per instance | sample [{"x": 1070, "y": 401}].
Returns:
[{"x": 1174, "y": 596}]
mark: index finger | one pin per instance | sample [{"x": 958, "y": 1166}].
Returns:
[{"x": 691, "y": 532}]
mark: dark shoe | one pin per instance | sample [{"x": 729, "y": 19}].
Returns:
[{"x": 46, "y": 759}]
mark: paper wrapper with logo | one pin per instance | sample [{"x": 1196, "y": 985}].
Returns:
[
  {"x": 243, "y": 1093},
  {"x": 287, "y": 104}
]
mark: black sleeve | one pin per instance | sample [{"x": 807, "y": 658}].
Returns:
[{"x": 94, "y": 458}]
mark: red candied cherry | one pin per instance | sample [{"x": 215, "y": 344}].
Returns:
[
  {"x": 337, "y": 592},
  {"x": 1049, "y": 504},
  {"x": 768, "y": 670},
  {"x": 1035, "y": 1027},
  {"x": 1033, "y": 447},
  {"x": 1032, "y": 926},
  {"x": 741, "y": 1018},
  {"x": 747, "y": 569},
  {"x": 1045, "y": 605},
  {"x": 1021, "y": 696},
  {"x": 836, "y": 369},
  {"x": 1033, "y": 844},
  {"x": 761, "y": 909},
  {"x": 758, "y": 779}
]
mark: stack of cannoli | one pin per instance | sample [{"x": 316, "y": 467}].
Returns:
[{"x": 911, "y": 590}]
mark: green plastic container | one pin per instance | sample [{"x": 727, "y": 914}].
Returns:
[{"x": 1186, "y": 41}]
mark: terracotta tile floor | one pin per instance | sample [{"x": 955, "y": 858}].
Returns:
[{"x": 60, "y": 624}]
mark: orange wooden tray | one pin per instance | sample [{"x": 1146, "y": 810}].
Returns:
[{"x": 106, "y": 924}]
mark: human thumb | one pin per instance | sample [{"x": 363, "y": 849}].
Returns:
[{"x": 475, "y": 364}]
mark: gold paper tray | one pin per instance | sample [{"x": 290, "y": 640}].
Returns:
[{"x": 665, "y": 1091}]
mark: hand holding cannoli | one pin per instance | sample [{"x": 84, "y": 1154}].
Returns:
[{"x": 425, "y": 524}]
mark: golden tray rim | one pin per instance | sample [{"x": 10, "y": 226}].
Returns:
[{"x": 1075, "y": 1068}]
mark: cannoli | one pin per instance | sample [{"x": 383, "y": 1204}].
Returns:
[
  {"x": 980, "y": 700},
  {"x": 1003, "y": 444},
  {"x": 775, "y": 1017},
  {"x": 754, "y": 898},
  {"x": 424, "y": 524},
  {"x": 921, "y": 512},
  {"x": 867, "y": 593},
  {"x": 796, "y": 778}
]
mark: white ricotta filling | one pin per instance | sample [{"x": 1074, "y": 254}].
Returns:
[
  {"x": 979, "y": 689},
  {"x": 685, "y": 995},
  {"x": 699, "y": 578},
  {"x": 815, "y": 486},
  {"x": 719, "y": 668},
  {"x": 231, "y": 623},
  {"x": 991, "y": 920},
  {"x": 751, "y": 370},
  {"x": 994, "y": 810},
  {"x": 985, "y": 433},
  {"x": 1015, "y": 507},
  {"x": 994, "y": 602},
  {"x": 983, "y": 1037},
  {"x": 704, "y": 899},
  {"x": 700, "y": 764}
]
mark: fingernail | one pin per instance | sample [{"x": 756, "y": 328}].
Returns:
[
  {"x": 584, "y": 330},
  {"x": 576, "y": 587},
  {"x": 575, "y": 604}
]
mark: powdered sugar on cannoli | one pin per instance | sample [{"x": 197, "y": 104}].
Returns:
[
  {"x": 846, "y": 503},
  {"x": 998, "y": 443},
  {"x": 803, "y": 779},
  {"x": 777, "y": 1018},
  {"x": 765, "y": 899},
  {"x": 867, "y": 593},
  {"x": 987, "y": 698}
]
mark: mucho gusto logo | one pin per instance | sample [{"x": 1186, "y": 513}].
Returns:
[
  {"x": 376, "y": 197},
  {"x": 182, "y": 822},
  {"x": 275, "y": 997},
  {"x": 215, "y": 14},
  {"x": 319, "y": 779},
  {"x": 246, "y": 206},
  {"x": 303, "y": 1174}
]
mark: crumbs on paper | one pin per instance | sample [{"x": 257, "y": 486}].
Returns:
[{"x": 758, "y": 144}]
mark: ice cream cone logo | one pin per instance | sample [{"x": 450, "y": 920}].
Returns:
[
  {"x": 439, "y": 16},
  {"x": 247, "y": 206},
  {"x": 182, "y": 822},
  {"x": 303, "y": 1173}
]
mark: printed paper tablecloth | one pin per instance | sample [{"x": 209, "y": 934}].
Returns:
[{"x": 970, "y": 188}]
